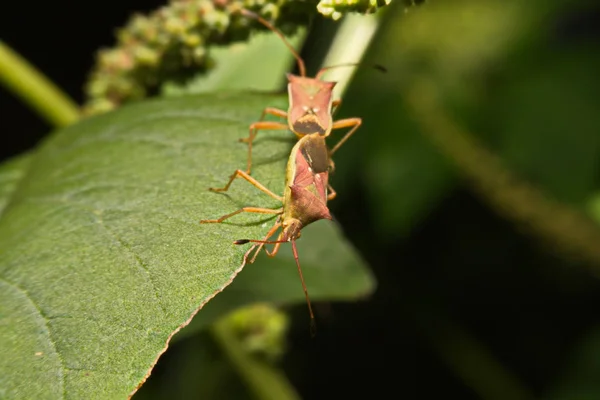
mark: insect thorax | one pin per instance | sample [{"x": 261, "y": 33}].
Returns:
[{"x": 310, "y": 105}]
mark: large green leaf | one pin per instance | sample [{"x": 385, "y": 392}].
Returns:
[
  {"x": 11, "y": 173},
  {"x": 102, "y": 258}
]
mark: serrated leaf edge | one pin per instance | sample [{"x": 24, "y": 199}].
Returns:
[{"x": 187, "y": 322}]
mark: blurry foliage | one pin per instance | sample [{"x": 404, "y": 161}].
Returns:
[
  {"x": 500, "y": 80},
  {"x": 175, "y": 41},
  {"x": 105, "y": 243},
  {"x": 505, "y": 95},
  {"x": 580, "y": 377},
  {"x": 518, "y": 119},
  {"x": 184, "y": 364},
  {"x": 102, "y": 259},
  {"x": 500, "y": 96}
]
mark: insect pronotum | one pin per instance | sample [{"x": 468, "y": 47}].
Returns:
[
  {"x": 310, "y": 107},
  {"x": 304, "y": 201}
]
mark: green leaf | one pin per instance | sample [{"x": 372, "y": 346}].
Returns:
[
  {"x": 102, "y": 257},
  {"x": 198, "y": 356},
  {"x": 259, "y": 64},
  {"x": 250, "y": 342},
  {"x": 546, "y": 117},
  {"x": 331, "y": 267},
  {"x": 402, "y": 175},
  {"x": 11, "y": 173},
  {"x": 579, "y": 380}
]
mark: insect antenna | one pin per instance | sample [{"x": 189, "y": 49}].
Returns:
[
  {"x": 378, "y": 67},
  {"x": 266, "y": 23},
  {"x": 313, "y": 324},
  {"x": 244, "y": 241}
]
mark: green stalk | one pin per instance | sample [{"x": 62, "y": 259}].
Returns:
[
  {"x": 349, "y": 45},
  {"x": 264, "y": 381},
  {"x": 27, "y": 83},
  {"x": 566, "y": 228}
]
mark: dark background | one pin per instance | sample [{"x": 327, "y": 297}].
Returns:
[{"x": 462, "y": 264}]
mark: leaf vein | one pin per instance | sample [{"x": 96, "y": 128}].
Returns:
[
  {"x": 46, "y": 323},
  {"x": 137, "y": 258}
]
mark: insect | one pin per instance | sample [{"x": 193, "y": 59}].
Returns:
[
  {"x": 304, "y": 201},
  {"x": 311, "y": 103}
]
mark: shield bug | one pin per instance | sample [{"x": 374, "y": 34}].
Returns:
[
  {"x": 311, "y": 103},
  {"x": 306, "y": 193}
]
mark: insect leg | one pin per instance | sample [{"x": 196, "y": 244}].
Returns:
[
  {"x": 345, "y": 123},
  {"x": 331, "y": 166},
  {"x": 335, "y": 104},
  {"x": 259, "y": 246},
  {"x": 312, "y": 315},
  {"x": 273, "y": 252},
  {"x": 257, "y": 210},
  {"x": 332, "y": 193},
  {"x": 254, "y": 182},
  {"x": 263, "y": 125}
]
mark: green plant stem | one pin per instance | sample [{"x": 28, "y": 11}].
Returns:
[
  {"x": 349, "y": 45},
  {"x": 266, "y": 382},
  {"x": 26, "y": 82},
  {"x": 568, "y": 229}
]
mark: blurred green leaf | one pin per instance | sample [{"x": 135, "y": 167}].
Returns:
[
  {"x": 453, "y": 39},
  {"x": 546, "y": 121},
  {"x": 102, "y": 257},
  {"x": 401, "y": 173},
  {"x": 502, "y": 64},
  {"x": 259, "y": 64},
  {"x": 579, "y": 380},
  {"x": 534, "y": 105},
  {"x": 196, "y": 370}
]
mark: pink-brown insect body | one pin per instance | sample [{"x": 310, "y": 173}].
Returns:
[
  {"x": 306, "y": 186},
  {"x": 304, "y": 200},
  {"x": 310, "y": 103},
  {"x": 310, "y": 107}
]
